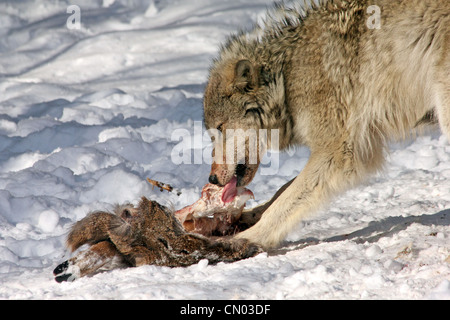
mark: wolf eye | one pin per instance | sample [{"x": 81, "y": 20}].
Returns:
[{"x": 220, "y": 127}]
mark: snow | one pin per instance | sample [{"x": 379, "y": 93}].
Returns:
[{"x": 86, "y": 115}]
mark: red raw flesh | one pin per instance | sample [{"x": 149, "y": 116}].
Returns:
[{"x": 217, "y": 211}]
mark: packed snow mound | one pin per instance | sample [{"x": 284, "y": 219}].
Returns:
[{"x": 88, "y": 113}]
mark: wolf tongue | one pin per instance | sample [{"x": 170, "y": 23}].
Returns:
[{"x": 230, "y": 191}]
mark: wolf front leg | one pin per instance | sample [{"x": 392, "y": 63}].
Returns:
[
  {"x": 251, "y": 216},
  {"x": 326, "y": 174}
]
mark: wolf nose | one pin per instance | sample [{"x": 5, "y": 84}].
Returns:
[{"x": 213, "y": 179}]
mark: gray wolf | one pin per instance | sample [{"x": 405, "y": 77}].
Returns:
[{"x": 326, "y": 76}]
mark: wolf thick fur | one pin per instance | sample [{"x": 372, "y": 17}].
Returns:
[{"x": 325, "y": 79}]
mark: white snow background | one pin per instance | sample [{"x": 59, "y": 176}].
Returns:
[{"x": 86, "y": 115}]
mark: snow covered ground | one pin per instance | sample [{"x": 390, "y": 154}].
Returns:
[{"x": 86, "y": 115}]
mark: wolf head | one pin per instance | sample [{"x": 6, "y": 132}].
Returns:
[{"x": 241, "y": 104}]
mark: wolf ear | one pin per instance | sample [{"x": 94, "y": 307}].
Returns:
[{"x": 246, "y": 75}]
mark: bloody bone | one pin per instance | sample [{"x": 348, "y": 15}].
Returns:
[{"x": 217, "y": 212}]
